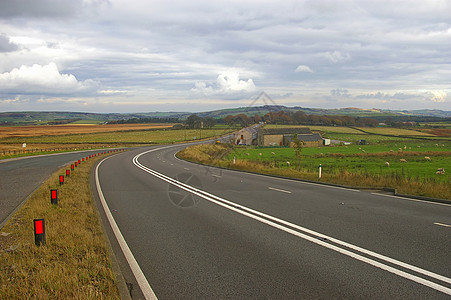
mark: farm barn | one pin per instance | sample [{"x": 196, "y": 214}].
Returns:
[{"x": 284, "y": 137}]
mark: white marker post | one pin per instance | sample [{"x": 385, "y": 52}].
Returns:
[
  {"x": 320, "y": 170},
  {"x": 24, "y": 145}
]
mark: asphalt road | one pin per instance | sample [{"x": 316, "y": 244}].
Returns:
[
  {"x": 20, "y": 177},
  {"x": 196, "y": 232}
]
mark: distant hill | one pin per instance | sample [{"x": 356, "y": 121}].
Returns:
[{"x": 36, "y": 118}]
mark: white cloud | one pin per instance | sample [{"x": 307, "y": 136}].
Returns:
[
  {"x": 438, "y": 96},
  {"x": 112, "y": 92},
  {"x": 337, "y": 56},
  {"x": 228, "y": 82},
  {"x": 46, "y": 79},
  {"x": 303, "y": 68}
]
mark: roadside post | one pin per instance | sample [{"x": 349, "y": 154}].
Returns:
[
  {"x": 39, "y": 232},
  {"x": 54, "y": 197},
  {"x": 319, "y": 175}
]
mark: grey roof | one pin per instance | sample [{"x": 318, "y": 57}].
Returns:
[
  {"x": 284, "y": 131},
  {"x": 313, "y": 137},
  {"x": 310, "y": 137}
]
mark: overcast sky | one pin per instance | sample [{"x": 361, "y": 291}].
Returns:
[{"x": 141, "y": 56}]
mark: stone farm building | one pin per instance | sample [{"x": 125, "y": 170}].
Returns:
[
  {"x": 246, "y": 136},
  {"x": 284, "y": 137}
]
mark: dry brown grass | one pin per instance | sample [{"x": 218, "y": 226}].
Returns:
[
  {"x": 48, "y": 130},
  {"x": 74, "y": 263}
]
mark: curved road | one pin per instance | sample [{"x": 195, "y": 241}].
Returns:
[
  {"x": 20, "y": 177},
  {"x": 182, "y": 230}
]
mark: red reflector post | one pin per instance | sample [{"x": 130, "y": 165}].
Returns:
[
  {"x": 72, "y": 167},
  {"x": 75, "y": 164},
  {"x": 79, "y": 161},
  {"x": 39, "y": 232},
  {"x": 67, "y": 172},
  {"x": 61, "y": 179},
  {"x": 54, "y": 197}
]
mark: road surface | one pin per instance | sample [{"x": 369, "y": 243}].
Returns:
[
  {"x": 20, "y": 177},
  {"x": 181, "y": 230}
]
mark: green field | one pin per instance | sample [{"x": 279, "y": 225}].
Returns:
[{"x": 360, "y": 158}]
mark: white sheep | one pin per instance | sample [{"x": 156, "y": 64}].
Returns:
[
  {"x": 402, "y": 160},
  {"x": 363, "y": 151},
  {"x": 440, "y": 171},
  {"x": 387, "y": 164},
  {"x": 273, "y": 153},
  {"x": 288, "y": 163},
  {"x": 427, "y": 158}
]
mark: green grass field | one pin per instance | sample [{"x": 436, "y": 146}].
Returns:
[{"x": 360, "y": 158}]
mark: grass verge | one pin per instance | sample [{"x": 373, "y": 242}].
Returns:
[
  {"x": 217, "y": 155},
  {"x": 74, "y": 263}
]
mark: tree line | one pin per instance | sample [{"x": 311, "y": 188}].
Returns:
[
  {"x": 286, "y": 118},
  {"x": 300, "y": 118}
]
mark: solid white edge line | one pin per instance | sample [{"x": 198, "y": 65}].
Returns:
[
  {"x": 441, "y": 224},
  {"x": 134, "y": 266},
  {"x": 278, "y": 178},
  {"x": 278, "y": 190},
  {"x": 346, "y": 252},
  {"x": 411, "y": 199}
]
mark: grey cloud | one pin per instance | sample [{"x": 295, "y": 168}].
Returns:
[
  {"x": 39, "y": 9},
  {"x": 6, "y": 45},
  {"x": 340, "y": 93}
]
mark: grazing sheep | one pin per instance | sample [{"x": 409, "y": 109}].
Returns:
[
  {"x": 247, "y": 154},
  {"x": 363, "y": 151},
  {"x": 405, "y": 147},
  {"x": 402, "y": 160},
  {"x": 260, "y": 154},
  {"x": 288, "y": 163},
  {"x": 387, "y": 164},
  {"x": 427, "y": 158},
  {"x": 399, "y": 150},
  {"x": 273, "y": 153},
  {"x": 392, "y": 151}
]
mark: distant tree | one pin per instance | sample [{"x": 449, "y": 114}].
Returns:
[
  {"x": 209, "y": 122},
  {"x": 194, "y": 121},
  {"x": 297, "y": 145}
]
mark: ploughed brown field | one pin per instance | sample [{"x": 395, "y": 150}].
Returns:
[{"x": 27, "y": 131}]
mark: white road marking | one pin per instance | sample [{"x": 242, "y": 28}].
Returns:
[
  {"x": 291, "y": 228},
  {"x": 441, "y": 224},
  {"x": 186, "y": 169},
  {"x": 411, "y": 199},
  {"x": 278, "y": 190},
  {"x": 137, "y": 272}
]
